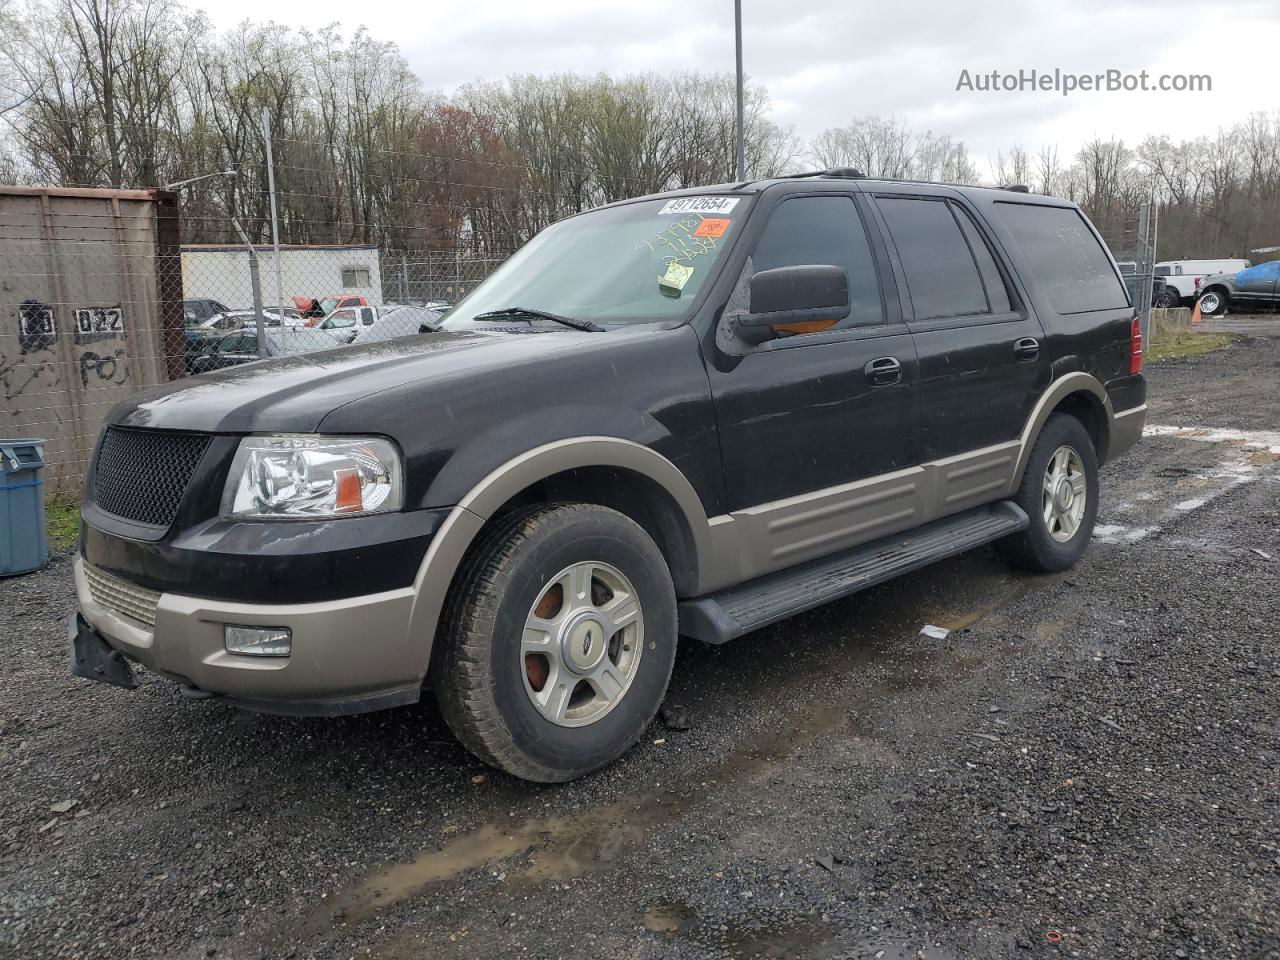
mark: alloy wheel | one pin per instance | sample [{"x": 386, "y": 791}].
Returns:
[
  {"x": 582, "y": 643},
  {"x": 1065, "y": 494}
]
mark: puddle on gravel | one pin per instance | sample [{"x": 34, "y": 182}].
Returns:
[
  {"x": 807, "y": 937},
  {"x": 669, "y": 918},
  {"x": 1217, "y": 462},
  {"x": 810, "y": 937},
  {"x": 1050, "y": 629},
  {"x": 558, "y": 848}
]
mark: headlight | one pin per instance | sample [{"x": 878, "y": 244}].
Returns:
[{"x": 305, "y": 476}]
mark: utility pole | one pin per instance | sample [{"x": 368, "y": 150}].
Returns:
[
  {"x": 255, "y": 281},
  {"x": 737, "y": 32},
  {"x": 275, "y": 224}
]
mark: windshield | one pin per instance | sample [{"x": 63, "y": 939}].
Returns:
[
  {"x": 328, "y": 304},
  {"x": 639, "y": 262}
]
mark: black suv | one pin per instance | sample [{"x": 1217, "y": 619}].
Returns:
[{"x": 692, "y": 414}]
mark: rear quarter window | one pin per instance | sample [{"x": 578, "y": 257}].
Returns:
[{"x": 1069, "y": 263}]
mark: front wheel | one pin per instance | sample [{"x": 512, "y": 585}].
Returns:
[
  {"x": 1212, "y": 303},
  {"x": 1059, "y": 493},
  {"x": 558, "y": 641}
]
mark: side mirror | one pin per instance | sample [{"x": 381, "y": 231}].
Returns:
[{"x": 808, "y": 293}]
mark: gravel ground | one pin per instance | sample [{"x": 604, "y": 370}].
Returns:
[{"x": 1088, "y": 766}]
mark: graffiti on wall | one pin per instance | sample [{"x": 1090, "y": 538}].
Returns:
[
  {"x": 36, "y": 327},
  {"x": 98, "y": 323},
  {"x": 105, "y": 368},
  {"x": 38, "y": 330}
]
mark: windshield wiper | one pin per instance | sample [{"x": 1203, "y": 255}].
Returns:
[{"x": 529, "y": 315}]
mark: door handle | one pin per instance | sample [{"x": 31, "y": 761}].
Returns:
[
  {"x": 1028, "y": 348},
  {"x": 883, "y": 371}
]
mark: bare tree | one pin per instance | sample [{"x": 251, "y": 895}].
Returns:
[{"x": 1012, "y": 168}]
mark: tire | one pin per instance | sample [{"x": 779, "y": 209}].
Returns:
[
  {"x": 1045, "y": 545},
  {"x": 1167, "y": 300},
  {"x": 521, "y": 573},
  {"x": 1213, "y": 302}
]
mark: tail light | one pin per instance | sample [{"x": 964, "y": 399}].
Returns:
[{"x": 1135, "y": 346}]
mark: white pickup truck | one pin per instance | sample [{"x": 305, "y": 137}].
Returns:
[{"x": 1184, "y": 276}]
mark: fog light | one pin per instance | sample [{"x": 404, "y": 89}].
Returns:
[{"x": 257, "y": 641}]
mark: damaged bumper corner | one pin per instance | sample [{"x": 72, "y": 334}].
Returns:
[{"x": 95, "y": 659}]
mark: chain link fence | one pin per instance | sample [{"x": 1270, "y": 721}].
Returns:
[
  {"x": 307, "y": 297},
  {"x": 1134, "y": 249}
]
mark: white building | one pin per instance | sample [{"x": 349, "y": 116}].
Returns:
[{"x": 221, "y": 272}]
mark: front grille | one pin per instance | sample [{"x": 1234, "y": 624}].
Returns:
[
  {"x": 141, "y": 475},
  {"x": 133, "y": 601}
]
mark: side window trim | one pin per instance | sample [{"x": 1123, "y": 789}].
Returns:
[
  {"x": 968, "y": 242},
  {"x": 872, "y": 331},
  {"x": 890, "y": 288},
  {"x": 974, "y": 229},
  {"x": 966, "y": 320}
]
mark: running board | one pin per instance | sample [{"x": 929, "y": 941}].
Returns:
[{"x": 724, "y": 616}]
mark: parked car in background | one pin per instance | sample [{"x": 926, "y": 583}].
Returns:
[
  {"x": 1186, "y": 276},
  {"x": 400, "y": 322},
  {"x": 197, "y": 311},
  {"x": 238, "y": 319},
  {"x": 1164, "y": 296},
  {"x": 343, "y": 324},
  {"x": 241, "y": 346},
  {"x": 441, "y": 305},
  {"x": 315, "y": 309},
  {"x": 1250, "y": 288}
]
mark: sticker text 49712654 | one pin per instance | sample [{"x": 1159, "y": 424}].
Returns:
[{"x": 699, "y": 205}]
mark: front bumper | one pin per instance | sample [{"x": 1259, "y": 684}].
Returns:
[{"x": 349, "y": 655}]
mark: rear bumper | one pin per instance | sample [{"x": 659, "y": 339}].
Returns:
[
  {"x": 1126, "y": 430},
  {"x": 348, "y": 655}
]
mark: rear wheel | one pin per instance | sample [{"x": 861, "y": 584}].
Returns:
[
  {"x": 558, "y": 641},
  {"x": 1167, "y": 299},
  {"x": 1213, "y": 302},
  {"x": 1059, "y": 493}
]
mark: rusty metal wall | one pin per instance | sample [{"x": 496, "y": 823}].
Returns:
[{"x": 80, "y": 316}]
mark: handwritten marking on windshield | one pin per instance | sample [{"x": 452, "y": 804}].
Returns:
[{"x": 683, "y": 237}]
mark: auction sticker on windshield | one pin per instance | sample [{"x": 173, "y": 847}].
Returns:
[
  {"x": 699, "y": 205},
  {"x": 712, "y": 227}
]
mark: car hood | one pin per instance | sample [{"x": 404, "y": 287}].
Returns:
[{"x": 293, "y": 394}]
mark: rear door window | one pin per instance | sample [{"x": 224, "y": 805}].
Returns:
[
  {"x": 942, "y": 276},
  {"x": 1070, "y": 264}
]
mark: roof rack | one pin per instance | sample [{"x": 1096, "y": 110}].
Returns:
[{"x": 839, "y": 173}]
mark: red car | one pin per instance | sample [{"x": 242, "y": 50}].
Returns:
[{"x": 316, "y": 310}]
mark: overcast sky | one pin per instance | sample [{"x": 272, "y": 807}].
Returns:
[{"x": 826, "y": 61}]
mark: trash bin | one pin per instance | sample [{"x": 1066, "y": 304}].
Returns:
[{"x": 23, "y": 546}]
